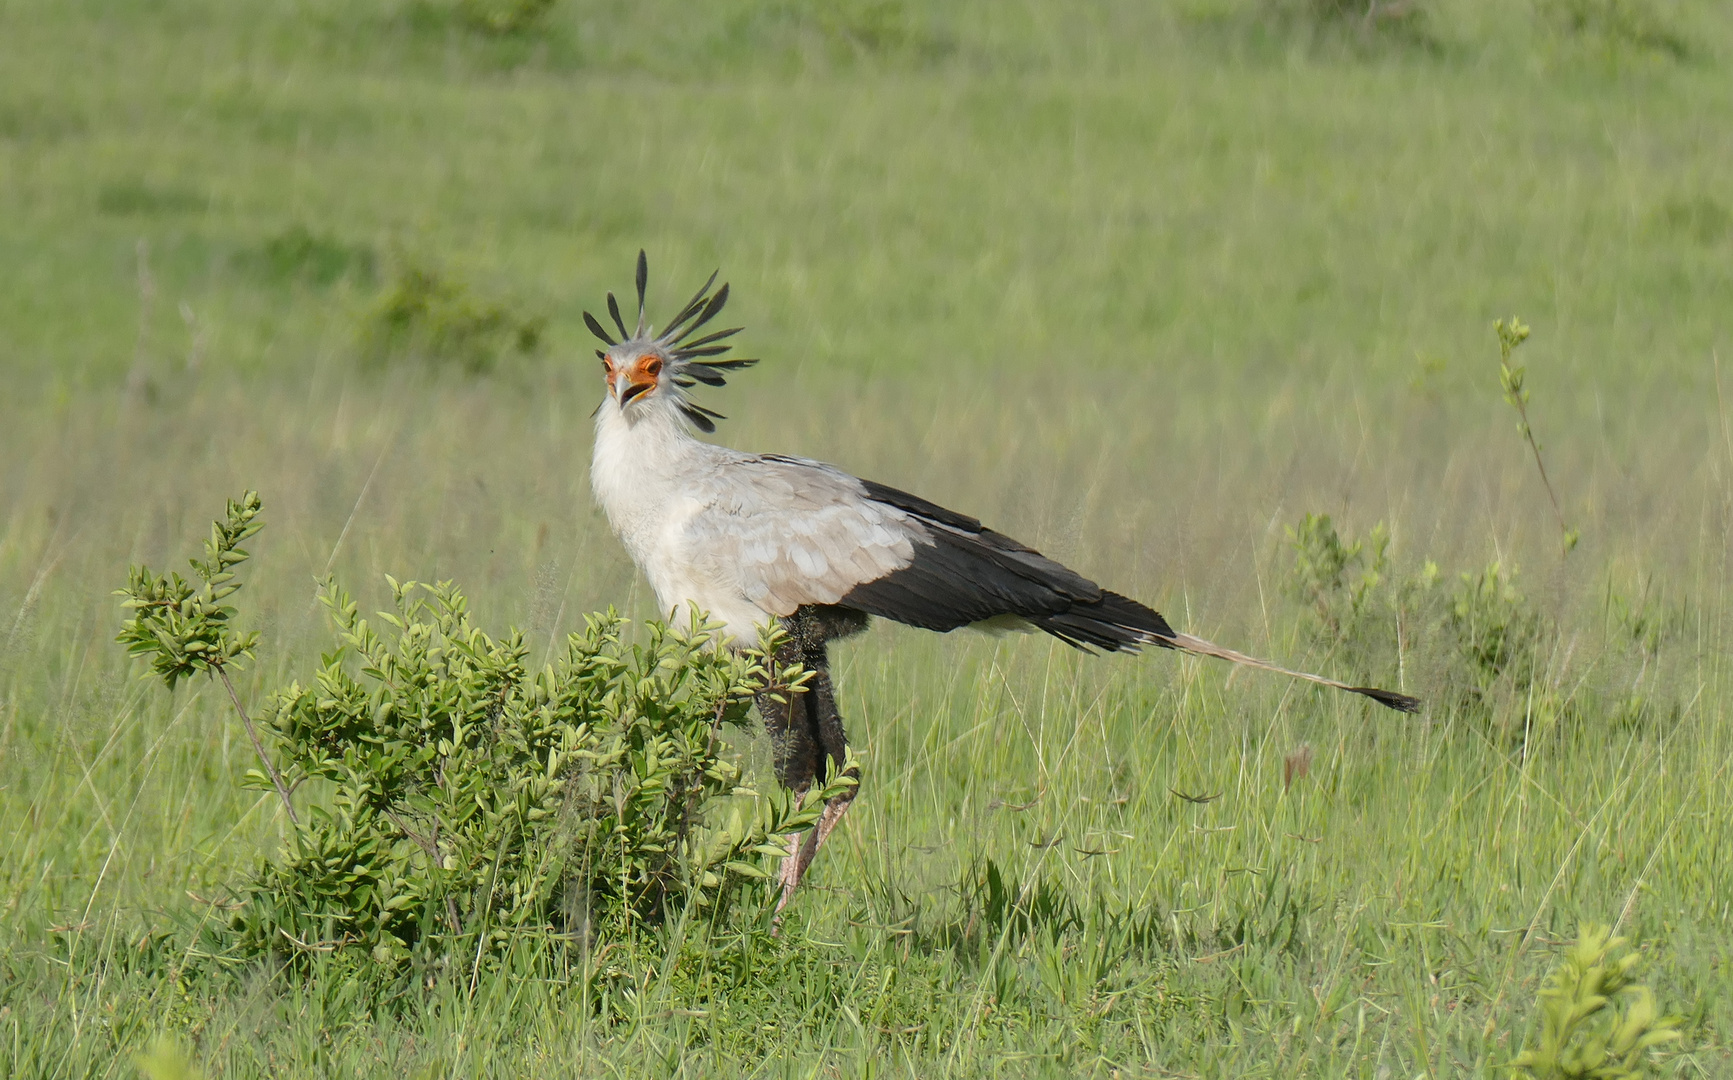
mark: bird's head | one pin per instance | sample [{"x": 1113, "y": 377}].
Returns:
[{"x": 644, "y": 368}]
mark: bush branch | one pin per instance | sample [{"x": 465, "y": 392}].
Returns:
[{"x": 258, "y": 747}]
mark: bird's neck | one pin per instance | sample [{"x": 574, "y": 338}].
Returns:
[{"x": 642, "y": 462}]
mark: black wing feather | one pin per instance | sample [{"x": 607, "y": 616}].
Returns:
[
  {"x": 967, "y": 573},
  {"x": 964, "y": 573}
]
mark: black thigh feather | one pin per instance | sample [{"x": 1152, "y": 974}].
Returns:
[{"x": 807, "y": 740}]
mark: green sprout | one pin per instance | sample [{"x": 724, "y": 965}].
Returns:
[
  {"x": 185, "y": 629},
  {"x": 1510, "y": 378}
]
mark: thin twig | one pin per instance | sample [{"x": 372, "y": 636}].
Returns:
[
  {"x": 1528, "y": 434},
  {"x": 258, "y": 747},
  {"x": 1510, "y": 338},
  {"x": 423, "y": 842}
]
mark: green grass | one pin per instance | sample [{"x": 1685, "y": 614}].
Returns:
[{"x": 1138, "y": 284}]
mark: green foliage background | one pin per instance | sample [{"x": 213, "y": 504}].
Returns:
[{"x": 1141, "y": 284}]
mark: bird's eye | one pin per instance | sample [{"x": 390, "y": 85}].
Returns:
[{"x": 653, "y": 368}]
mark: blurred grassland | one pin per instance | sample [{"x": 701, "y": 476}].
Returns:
[{"x": 1139, "y": 284}]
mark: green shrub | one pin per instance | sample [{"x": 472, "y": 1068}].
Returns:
[
  {"x": 186, "y": 630},
  {"x": 129, "y": 198},
  {"x": 297, "y": 253},
  {"x": 1481, "y": 639},
  {"x": 1699, "y": 218},
  {"x": 880, "y": 28},
  {"x": 501, "y": 21},
  {"x": 1584, "y": 1035},
  {"x": 448, "y": 805},
  {"x": 1356, "y": 606},
  {"x": 1614, "y": 24},
  {"x": 1365, "y": 22},
  {"x": 1495, "y": 632},
  {"x": 1338, "y": 580},
  {"x": 428, "y": 315},
  {"x": 503, "y": 16}
]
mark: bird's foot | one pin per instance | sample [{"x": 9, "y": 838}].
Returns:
[
  {"x": 833, "y": 812},
  {"x": 804, "y": 848},
  {"x": 801, "y": 850}
]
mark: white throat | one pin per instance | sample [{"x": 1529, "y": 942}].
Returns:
[
  {"x": 641, "y": 453},
  {"x": 645, "y": 471}
]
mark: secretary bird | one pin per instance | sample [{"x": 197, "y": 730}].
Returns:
[{"x": 749, "y": 538}]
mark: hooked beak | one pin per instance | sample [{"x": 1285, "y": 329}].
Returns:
[{"x": 627, "y": 389}]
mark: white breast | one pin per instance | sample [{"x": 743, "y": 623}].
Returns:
[{"x": 651, "y": 478}]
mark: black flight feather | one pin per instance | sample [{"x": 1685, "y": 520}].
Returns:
[
  {"x": 596, "y": 329},
  {"x": 920, "y": 507}
]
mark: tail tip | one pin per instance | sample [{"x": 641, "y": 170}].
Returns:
[{"x": 1389, "y": 698}]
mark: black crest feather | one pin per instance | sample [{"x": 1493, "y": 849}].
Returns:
[
  {"x": 708, "y": 338},
  {"x": 596, "y": 329},
  {"x": 700, "y": 417},
  {"x": 614, "y": 310},
  {"x": 690, "y": 309},
  {"x": 643, "y": 280},
  {"x": 710, "y": 311},
  {"x": 703, "y": 375},
  {"x": 689, "y": 362}
]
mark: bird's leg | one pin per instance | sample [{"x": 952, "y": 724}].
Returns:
[
  {"x": 794, "y": 751},
  {"x": 834, "y": 810},
  {"x": 828, "y": 734},
  {"x": 803, "y": 848},
  {"x": 808, "y": 737},
  {"x": 794, "y": 864}
]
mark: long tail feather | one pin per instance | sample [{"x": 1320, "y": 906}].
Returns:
[{"x": 1387, "y": 698}]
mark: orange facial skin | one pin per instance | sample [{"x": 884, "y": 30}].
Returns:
[{"x": 631, "y": 378}]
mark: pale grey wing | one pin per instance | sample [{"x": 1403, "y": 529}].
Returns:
[{"x": 785, "y": 532}]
